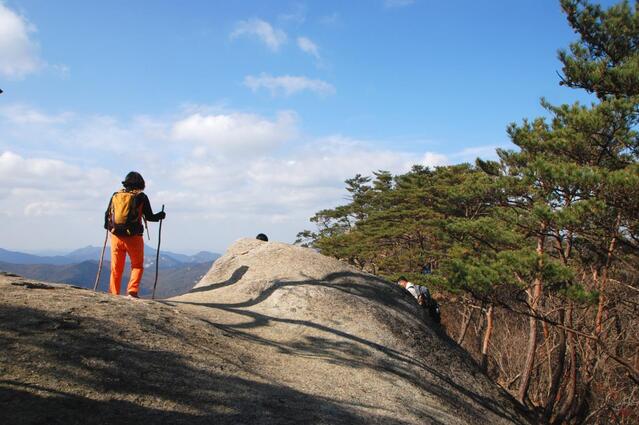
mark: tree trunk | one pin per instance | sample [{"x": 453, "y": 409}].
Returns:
[
  {"x": 530, "y": 352},
  {"x": 604, "y": 278},
  {"x": 557, "y": 372},
  {"x": 548, "y": 344},
  {"x": 464, "y": 327},
  {"x": 487, "y": 333},
  {"x": 571, "y": 386},
  {"x": 534, "y": 295}
]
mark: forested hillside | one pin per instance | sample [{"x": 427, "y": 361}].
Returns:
[{"x": 534, "y": 256}]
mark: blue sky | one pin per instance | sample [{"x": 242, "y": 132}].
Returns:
[{"x": 246, "y": 117}]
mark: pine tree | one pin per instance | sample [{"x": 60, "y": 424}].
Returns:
[{"x": 543, "y": 232}]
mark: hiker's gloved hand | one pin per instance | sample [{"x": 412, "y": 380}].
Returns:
[{"x": 161, "y": 215}]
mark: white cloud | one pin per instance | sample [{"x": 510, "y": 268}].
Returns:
[
  {"x": 63, "y": 71},
  {"x": 330, "y": 20},
  {"x": 307, "y": 46},
  {"x": 106, "y": 133},
  {"x": 398, "y": 3},
  {"x": 288, "y": 84},
  {"x": 241, "y": 133},
  {"x": 281, "y": 188},
  {"x": 94, "y": 139},
  {"x": 46, "y": 208},
  {"x": 17, "y": 172},
  {"x": 20, "y": 171},
  {"x": 326, "y": 163},
  {"x": 285, "y": 189},
  {"x": 47, "y": 202},
  {"x": 272, "y": 37},
  {"x": 24, "y": 114},
  {"x": 36, "y": 186},
  {"x": 297, "y": 14},
  {"x": 19, "y": 54},
  {"x": 222, "y": 174},
  {"x": 472, "y": 153},
  {"x": 432, "y": 159}
]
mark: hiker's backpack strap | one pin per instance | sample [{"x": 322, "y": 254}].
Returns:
[
  {"x": 139, "y": 209},
  {"x": 426, "y": 292},
  {"x": 111, "y": 218}
]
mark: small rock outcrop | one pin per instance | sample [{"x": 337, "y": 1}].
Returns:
[{"x": 273, "y": 333}]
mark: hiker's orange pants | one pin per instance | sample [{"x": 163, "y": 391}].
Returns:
[{"x": 120, "y": 247}]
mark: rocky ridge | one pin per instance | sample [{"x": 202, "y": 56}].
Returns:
[{"x": 272, "y": 334}]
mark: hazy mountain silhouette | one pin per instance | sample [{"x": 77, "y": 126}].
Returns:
[
  {"x": 22, "y": 258},
  {"x": 93, "y": 253},
  {"x": 172, "y": 281},
  {"x": 179, "y": 272}
]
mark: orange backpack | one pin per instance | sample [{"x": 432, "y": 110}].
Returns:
[{"x": 124, "y": 213}]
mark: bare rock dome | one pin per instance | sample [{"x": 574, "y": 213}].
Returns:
[{"x": 315, "y": 323}]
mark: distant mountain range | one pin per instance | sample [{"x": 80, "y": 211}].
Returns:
[
  {"x": 178, "y": 272},
  {"x": 167, "y": 258}
]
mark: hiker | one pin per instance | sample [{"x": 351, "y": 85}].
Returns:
[
  {"x": 422, "y": 295},
  {"x": 262, "y": 237},
  {"x": 123, "y": 218}
]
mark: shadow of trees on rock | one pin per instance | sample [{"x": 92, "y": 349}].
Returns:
[
  {"x": 93, "y": 373},
  {"x": 236, "y": 276},
  {"x": 345, "y": 348}
]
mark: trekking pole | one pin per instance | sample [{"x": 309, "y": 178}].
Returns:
[
  {"x": 97, "y": 277},
  {"x": 157, "y": 258}
]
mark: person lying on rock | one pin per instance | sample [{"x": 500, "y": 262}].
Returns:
[
  {"x": 123, "y": 218},
  {"x": 422, "y": 295}
]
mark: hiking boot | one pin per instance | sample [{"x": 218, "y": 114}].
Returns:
[{"x": 133, "y": 295}]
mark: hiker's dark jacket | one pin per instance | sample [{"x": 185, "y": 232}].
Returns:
[{"x": 147, "y": 212}]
